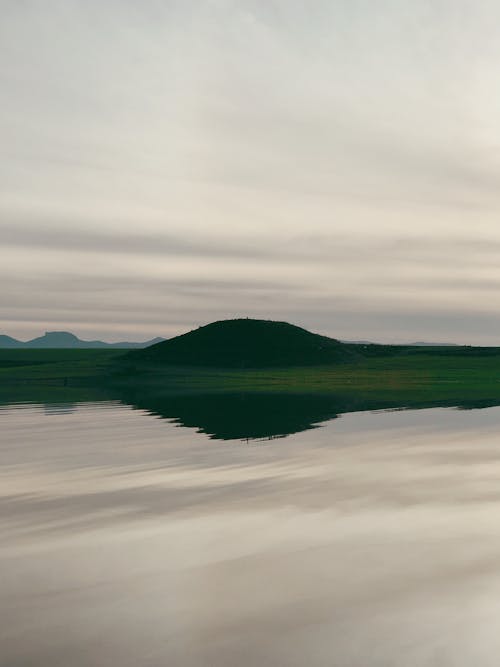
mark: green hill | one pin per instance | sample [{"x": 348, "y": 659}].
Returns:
[{"x": 247, "y": 343}]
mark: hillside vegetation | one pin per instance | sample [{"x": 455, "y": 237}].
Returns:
[{"x": 246, "y": 343}]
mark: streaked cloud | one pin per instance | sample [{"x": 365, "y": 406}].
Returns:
[{"x": 168, "y": 163}]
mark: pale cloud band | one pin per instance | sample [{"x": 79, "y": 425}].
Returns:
[{"x": 331, "y": 163}]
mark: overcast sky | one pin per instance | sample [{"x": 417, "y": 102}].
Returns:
[{"x": 333, "y": 163}]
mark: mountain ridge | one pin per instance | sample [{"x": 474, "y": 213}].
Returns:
[{"x": 68, "y": 340}]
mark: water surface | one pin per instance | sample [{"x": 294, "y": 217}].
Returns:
[{"x": 372, "y": 541}]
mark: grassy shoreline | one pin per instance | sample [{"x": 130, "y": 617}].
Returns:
[{"x": 385, "y": 377}]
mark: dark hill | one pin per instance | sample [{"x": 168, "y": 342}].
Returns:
[{"x": 247, "y": 343}]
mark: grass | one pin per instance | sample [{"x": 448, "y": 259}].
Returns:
[
  {"x": 66, "y": 375},
  {"x": 396, "y": 377},
  {"x": 42, "y": 364}
]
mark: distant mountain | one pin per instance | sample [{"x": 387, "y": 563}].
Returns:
[
  {"x": 8, "y": 341},
  {"x": 57, "y": 339},
  {"x": 423, "y": 343},
  {"x": 416, "y": 344},
  {"x": 65, "y": 339},
  {"x": 247, "y": 343}
]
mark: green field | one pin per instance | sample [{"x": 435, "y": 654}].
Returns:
[
  {"x": 40, "y": 375},
  {"x": 385, "y": 376}
]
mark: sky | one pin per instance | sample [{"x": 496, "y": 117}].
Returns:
[{"x": 331, "y": 163}]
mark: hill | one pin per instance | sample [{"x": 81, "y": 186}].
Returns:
[
  {"x": 67, "y": 340},
  {"x": 8, "y": 341},
  {"x": 247, "y": 343}
]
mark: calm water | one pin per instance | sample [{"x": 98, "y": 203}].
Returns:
[{"x": 128, "y": 540}]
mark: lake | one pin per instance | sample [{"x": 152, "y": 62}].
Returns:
[{"x": 128, "y": 539}]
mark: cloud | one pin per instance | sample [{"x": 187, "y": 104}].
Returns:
[{"x": 342, "y": 154}]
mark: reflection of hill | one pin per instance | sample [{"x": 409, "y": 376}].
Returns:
[
  {"x": 226, "y": 416},
  {"x": 241, "y": 416}
]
